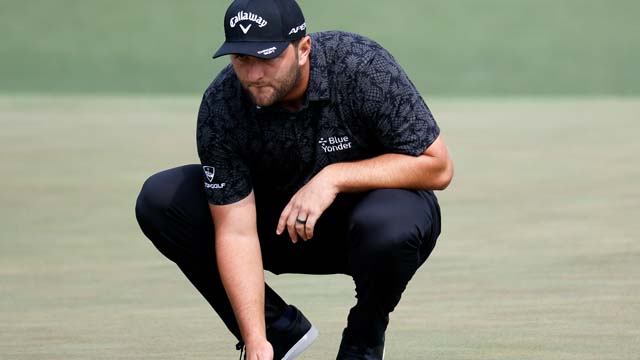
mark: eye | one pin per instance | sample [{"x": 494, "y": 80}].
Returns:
[{"x": 240, "y": 57}]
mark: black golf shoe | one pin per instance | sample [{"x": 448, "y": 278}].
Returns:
[
  {"x": 350, "y": 350},
  {"x": 290, "y": 335}
]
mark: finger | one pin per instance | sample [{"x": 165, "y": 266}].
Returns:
[
  {"x": 291, "y": 228},
  {"x": 300, "y": 231},
  {"x": 282, "y": 222},
  {"x": 300, "y": 225},
  {"x": 310, "y": 226}
]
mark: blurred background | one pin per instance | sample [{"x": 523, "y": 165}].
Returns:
[
  {"x": 452, "y": 48},
  {"x": 538, "y": 102}
]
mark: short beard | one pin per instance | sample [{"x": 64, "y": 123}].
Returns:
[{"x": 282, "y": 89}]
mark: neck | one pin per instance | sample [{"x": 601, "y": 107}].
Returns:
[{"x": 294, "y": 99}]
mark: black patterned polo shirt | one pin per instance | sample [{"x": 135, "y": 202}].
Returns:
[{"x": 359, "y": 104}]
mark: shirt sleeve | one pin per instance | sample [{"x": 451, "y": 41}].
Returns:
[
  {"x": 226, "y": 176},
  {"x": 393, "y": 107}
]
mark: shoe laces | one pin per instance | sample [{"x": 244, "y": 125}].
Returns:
[{"x": 240, "y": 347}]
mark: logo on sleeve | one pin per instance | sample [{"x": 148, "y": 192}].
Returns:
[{"x": 210, "y": 172}]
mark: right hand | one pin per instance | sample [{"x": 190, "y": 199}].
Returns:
[{"x": 260, "y": 350}]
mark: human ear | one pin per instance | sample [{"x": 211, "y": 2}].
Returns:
[{"x": 304, "y": 48}]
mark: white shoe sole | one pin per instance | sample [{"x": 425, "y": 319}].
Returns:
[{"x": 302, "y": 344}]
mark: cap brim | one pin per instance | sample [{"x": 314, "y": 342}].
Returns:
[{"x": 260, "y": 49}]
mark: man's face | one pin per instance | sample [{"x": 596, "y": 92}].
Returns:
[{"x": 267, "y": 80}]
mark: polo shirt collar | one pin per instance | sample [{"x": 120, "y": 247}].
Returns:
[{"x": 318, "y": 81}]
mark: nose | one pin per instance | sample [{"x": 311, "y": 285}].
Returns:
[{"x": 255, "y": 71}]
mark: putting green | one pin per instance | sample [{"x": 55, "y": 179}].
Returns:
[{"x": 538, "y": 258}]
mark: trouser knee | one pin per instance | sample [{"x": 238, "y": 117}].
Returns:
[
  {"x": 391, "y": 233},
  {"x": 382, "y": 243},
  {"x": 379, "y": 236},
  {"x": 151, "y": 205},
  {"x": 172, "y": 212}
]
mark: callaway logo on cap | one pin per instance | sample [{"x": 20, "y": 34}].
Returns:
[{"x": 261, "y": 28}]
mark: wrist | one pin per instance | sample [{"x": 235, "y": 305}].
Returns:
[
  {"x": 332, "y": 178},
  {"x": 255, "y": 339}
]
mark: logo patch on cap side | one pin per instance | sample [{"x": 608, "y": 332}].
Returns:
[{"x": 301, "y": 27}]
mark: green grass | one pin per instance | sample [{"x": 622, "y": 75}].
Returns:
[
  {"x": 538, "y": 258},
  {"x": 459, "y": 47}
]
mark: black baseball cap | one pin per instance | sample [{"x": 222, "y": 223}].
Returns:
[{"x": 261, "y": 28}]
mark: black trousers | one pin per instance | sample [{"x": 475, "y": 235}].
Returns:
[{"x": 380, "y": 238}]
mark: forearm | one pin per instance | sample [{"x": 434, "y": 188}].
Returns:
[
  {"x": 240, "y": 265},
  {"x": 390, "y": 171}
]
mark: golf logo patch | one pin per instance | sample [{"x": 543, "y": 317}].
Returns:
[{"x": 210, "y": 172}]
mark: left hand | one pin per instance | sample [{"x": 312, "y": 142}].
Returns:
[{"x": 305, "y": 207}]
